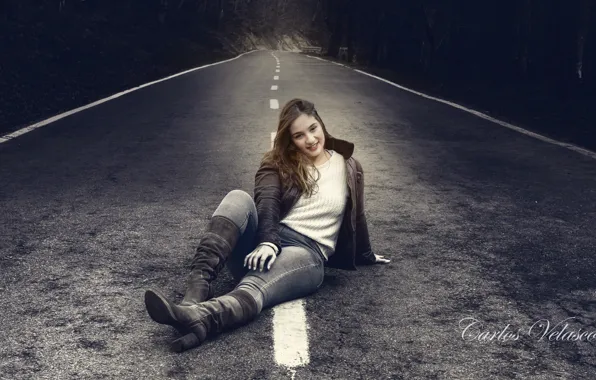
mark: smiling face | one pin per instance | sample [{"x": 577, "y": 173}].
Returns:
[{"x": 308, "y": 136}]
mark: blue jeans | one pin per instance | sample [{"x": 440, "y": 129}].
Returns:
[{"x": 297, "y": 271}]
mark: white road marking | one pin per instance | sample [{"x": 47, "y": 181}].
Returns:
[
  {"x": 276, "y": 77},
  {"x": 39, "y": 124},
  {"x": 290, "y": 337},
  {"x": 575, "y": 148},
  {"x": 274, "y": 104},
  {"x": 277, "y": 71},
  {"x": 274, "y": 87}
]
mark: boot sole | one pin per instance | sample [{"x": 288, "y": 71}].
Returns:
[{"x": 159, "y": 309}]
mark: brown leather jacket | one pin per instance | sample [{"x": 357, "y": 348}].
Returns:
[{"x": 273, "y": 204}]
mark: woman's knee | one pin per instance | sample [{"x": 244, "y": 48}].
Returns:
[
  {"x": 239, "y": 195},
  {"x": 236, "y": 202}
]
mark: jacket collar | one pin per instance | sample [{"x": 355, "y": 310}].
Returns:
[{"x": 343, "y": 147}]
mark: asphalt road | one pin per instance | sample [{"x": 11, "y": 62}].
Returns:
[{"x": 479, "y": 221}]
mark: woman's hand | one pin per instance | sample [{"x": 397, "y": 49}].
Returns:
[
  {"x": 258, "y": 257},
  {"x": 380, "y": 259}
]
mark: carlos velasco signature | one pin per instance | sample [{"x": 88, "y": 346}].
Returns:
[{"x": 473, "y": 329}]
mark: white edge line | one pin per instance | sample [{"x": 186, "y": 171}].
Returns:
[
  {"x": 575, "y": 148},
  {"x": 42, "y": 123}
]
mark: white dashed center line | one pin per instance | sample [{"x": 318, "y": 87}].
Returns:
[
  {"x": 274, "y": 88},
  {"x": 290, "y": 337},
  {"x": 274, "y": 104},
  {"x": 276, "y": 77}
]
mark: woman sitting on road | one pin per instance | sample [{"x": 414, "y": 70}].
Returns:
[{"x": 308, "y": 212}]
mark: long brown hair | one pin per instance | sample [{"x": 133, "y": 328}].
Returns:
[{"x": 293, "y": 166}]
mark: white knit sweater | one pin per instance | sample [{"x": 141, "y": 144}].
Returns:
[{"x": 319, "y": 217}]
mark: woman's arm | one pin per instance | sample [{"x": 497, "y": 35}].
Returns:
[
  {"x": 267, "y": 197},
  {"x": 364, "y": 252}
]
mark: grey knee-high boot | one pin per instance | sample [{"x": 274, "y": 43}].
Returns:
[
  {"x": 209, "y": 318},
  {"x": 213, "y": 251},
  {"x": 211, "y": 255}
]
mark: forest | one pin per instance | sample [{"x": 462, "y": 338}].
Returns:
[{"x": 515, "y": 58}]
